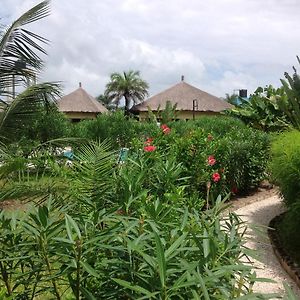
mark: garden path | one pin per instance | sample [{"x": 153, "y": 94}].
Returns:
[{"x": 259, "y": 213}]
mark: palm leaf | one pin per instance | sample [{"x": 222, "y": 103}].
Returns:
[
  {"x": 25, "y": 107},
  {"x": 19, "y": 44}
]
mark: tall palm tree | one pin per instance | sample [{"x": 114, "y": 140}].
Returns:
[{"x": 128, "y": 85}]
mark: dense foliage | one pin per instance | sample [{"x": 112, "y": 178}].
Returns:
[
  {"x": 100, "y": 227},
  {"x": 285, "y": 170},
  {"x": 262, "y": 110},
  {"x": 151, "y": 243},
  {"x": 240, "y": 152},
  {"x": 270, "y": 109}
]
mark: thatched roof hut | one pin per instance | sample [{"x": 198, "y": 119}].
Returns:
[
  {"x": 187, "y": 97},
  {"x": 80, "y": 105}
]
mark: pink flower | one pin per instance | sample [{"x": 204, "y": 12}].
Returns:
[
  {"x": 211, "y": 160},
  {"x": 216, "y": 177},
  {"x": 149, "y": 148},
  {"x": 165, "y": 129},
  {"x": 149, "y": 141}
]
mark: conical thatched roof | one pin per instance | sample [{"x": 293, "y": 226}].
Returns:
[
  {"x": 80, "y": 101},
  {"x": 184, "y": 94}
]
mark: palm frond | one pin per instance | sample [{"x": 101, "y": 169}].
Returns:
[
  {"x": 25, "y": 107},
  {"x": 18, "y": 44},
  {"x": 93, "y": 167}
]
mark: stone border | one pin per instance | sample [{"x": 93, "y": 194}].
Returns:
[{"x": 281, "y": 254}]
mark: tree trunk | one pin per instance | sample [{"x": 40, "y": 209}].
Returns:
[{"x": 127, "y": 103}]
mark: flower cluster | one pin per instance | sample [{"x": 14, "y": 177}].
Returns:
[
  {"x": 165, "y": 129},
  {"x": 148, "y": 145},
  {"x": 212, "y": 161},
  {"x": 216, "y": 177},
  {"x": 148, "y": 141},
  {"x": 149, "y": 148}
]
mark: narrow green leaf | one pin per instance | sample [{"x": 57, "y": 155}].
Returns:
[
  {"x": 161, "y": 261},
  {"x": 204, "y": 289},
  {"x": 43, "y": 215},
  {"x": 89, "y": 269},
  {"x": 88, "y": 295},
  {"x": 175, "y": 245},
  {"x": 206, "y": 244},
  {"x": 135, "y": 288},
  {"x": 289, "y": 293},
  {"x": 71, "y": 224}
]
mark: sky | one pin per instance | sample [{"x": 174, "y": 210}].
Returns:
[{"x": 219, "y": 46}]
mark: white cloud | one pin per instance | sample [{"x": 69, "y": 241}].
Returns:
[{"x": 219, "y": 45}]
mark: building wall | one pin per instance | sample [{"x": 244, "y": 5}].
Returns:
[
  {"x": 77, "y": 116},
  {"x": 181, "y": 115}
]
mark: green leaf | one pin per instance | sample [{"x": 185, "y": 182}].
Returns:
[
  {"x": 289, "y": 293},
  {"x": 89, "y": 269},
  {"x": 135, "y": 288},
  {"x": 160, "y": 260},
  {"x": 43, "y": 215},
  {"x": 71, "y": 224},
  {"x": 206, "y": 243},
  {"x": 88, "y": 295},
  {"x": 175, "y": 245}
]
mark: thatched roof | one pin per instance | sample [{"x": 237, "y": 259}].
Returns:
[
  {"x": 184, "y": 94},
  {"x": 80, "y": 101}
]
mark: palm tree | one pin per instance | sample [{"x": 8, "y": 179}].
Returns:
[
  {"x": 128, "y": 85},
  {"x": 20, "y": 62},
  {"x": 106, "y": 102}
]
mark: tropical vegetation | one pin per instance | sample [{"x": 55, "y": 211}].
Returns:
[
  {"x": 129, "y": 86},
  {"x": 94, "y": 225},
  {"x": 272, "y": 109}
]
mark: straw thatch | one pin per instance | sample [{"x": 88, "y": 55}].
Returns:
[
  {"x": 80, "y": 101},
  {"x": 183, "y": 95}
]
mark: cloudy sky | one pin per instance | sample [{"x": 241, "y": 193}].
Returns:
[{"x": 218, "y": 45}]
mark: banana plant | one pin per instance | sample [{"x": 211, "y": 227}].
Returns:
[{"x": 291, "y": 107}]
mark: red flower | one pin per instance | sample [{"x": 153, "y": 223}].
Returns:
[
  {"x": 149, "y": 141},
  {"x": 210, "y": 137},
  {"x": 165, "y": 129},
  {"x": 216, "y": 177},
  {"x": 149, "y": 148},
  {"x": 211, "y": 160}
]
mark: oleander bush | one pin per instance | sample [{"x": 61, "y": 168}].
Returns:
[
  {"x": 81, "y": 243},
  {"x": 225, "y": 160}
]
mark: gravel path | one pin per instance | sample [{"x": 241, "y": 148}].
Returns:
[{"x": 260, "y": 213}]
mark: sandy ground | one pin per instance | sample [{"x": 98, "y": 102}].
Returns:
[{"x": 257, "y": 211}]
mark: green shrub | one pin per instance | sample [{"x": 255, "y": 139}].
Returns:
[
  {"x": 285, "y": 171},
  {"x": 89, "y": 240},
  {"x": 165, "y": 253},
  {"x": 216, "y": 125},
  {"x": 116, "y": 127},
  {"x": 285, "y": 165},
  {"x": 244, "y": 155}
]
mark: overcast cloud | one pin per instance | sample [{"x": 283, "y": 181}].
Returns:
[{"x": 219, "y": 45}]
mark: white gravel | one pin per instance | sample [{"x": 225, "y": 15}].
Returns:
[{"x": 259, "y": 214}]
